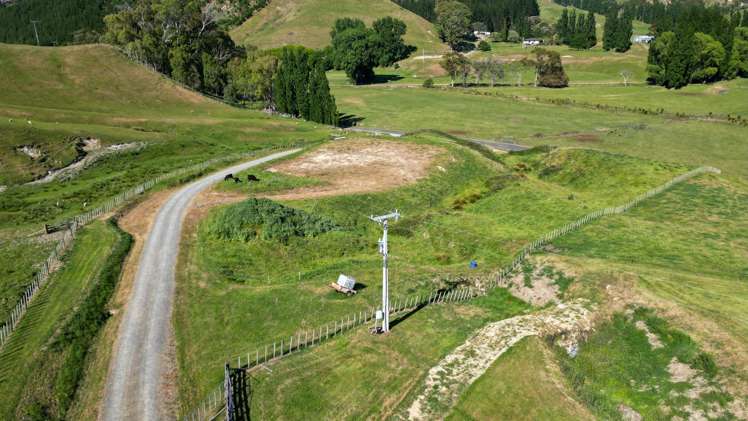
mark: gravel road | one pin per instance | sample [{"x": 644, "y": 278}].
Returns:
[{"x": 138, "y": 367}]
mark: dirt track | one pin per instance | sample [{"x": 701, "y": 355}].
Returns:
[{"x": 138, "y": 366}]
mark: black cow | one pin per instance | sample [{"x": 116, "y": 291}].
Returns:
[
  {"x": 231, "y": 177},
  {"x": 251, "y": 178}
]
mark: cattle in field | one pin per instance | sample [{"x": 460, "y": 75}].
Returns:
[
  {"x": 231, "y": 177},
  {"x": 251, "y": 178}
]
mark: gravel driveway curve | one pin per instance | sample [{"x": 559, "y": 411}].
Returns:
[{"x": 137, "y": 371}]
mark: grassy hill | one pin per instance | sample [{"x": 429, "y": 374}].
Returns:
[{"x": 308, "y": 23}]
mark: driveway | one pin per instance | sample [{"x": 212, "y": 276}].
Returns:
[{"x": 139, "y": 365}]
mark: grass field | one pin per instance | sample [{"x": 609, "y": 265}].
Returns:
[
  {"x": 476, "y": 214},
  {"x": 618, "y": 365},
  {"x": 360, "y": 375},
  {"x": 308, "y": 23},
  {"x": 524, "y": 383},
  {"x": 52, "y": 97},
  {"x": 531, "y": 123},
  {"x": 24, "y": 353},
  {"x": 56, "y": 94},
  {"x": 689, "y": 246}
]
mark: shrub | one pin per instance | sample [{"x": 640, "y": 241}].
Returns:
[
  {"x": 484, "y": 46},
  {"x": 428, "y": 83},
  {"x": 267, "y": 220}
]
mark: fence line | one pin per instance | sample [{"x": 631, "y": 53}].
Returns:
[
  {"x": 307, "y": 338},
  {"x": 72, "y": 225}
]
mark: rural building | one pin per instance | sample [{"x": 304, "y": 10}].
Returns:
[
  {"x": 531, "y": 42},
  {"x": 482, "y": 35},
  {"x": 643, "y": 39}
]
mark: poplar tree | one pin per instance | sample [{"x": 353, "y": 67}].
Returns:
[{"x": 610, "y": 31}]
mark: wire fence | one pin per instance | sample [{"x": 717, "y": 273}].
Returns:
[
  {"x": 214, "y": 403},
  {"x": 53, "y": 261}
]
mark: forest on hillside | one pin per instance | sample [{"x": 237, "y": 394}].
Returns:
[
  {"x": 62, "y": 22},
  {"x": 496, "y": 15},
  {"x": 58, "y": 21}
]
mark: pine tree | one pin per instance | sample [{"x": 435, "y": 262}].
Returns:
[
  {"x": 610, "y": 31},
  {"x": 562, "y": 26},
  {"x": 679, "y": 65},
  {"x": 591, "y": 31},
  {"x": 624, "y": 31}
]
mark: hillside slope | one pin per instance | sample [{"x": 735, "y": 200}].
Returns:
[
  {"x": 308, "y": 23},
  {"x": 86, "y": 77}
]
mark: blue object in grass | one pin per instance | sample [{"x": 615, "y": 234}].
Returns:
[{"x": 473, "y": 264}]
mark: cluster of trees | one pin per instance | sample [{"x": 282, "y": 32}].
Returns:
[
  {"x": 697, "y": 44},
  {"x": 577, "y": 31},
  {"x": 82, "y": 21},
  {"x": 59, "y": 22},
  {"x": 549, "y": 71},
  {"x": 496, "y": 15},
  {"x": 677, "y": 58},
  {"x": 300, "y": 87},
  {"x": 357, "y": 49},
  {"x": 617, "y": 31},
  {"x": 180, "y": 38},
  {"x": 453, "y": 23},
  {"x": 184, "y": 40}
]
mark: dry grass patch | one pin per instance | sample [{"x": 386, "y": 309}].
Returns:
[{"x": 358, "y": 166}]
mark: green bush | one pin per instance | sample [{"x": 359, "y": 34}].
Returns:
[
  {"x": 267, "y": 220},
  {"x": 484, "y": 46},
  {"x": 428, "y": 83}
]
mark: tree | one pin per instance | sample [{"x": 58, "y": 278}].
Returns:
[
  {"x": 590, "y": 31},
  {"x": 452, "y": 22},
  {"x": 709, "y": 55},
  {"x": 488, "y": 67},
  {"x": 610, "y": 31},
  {"x": 549, "y": 69},
  {"x": 740, "y": 50},
  {"x": 624, "y": 31},
  {"x": 300, "y": 86},
  {"x": 456, "y": 65},
  {"x": 179, "y": 38},
  {"x": 659, "y": 57},
  {"x": 388, "y": 34},
  {"x": 562, "y": 26},
  {"x": 358, "y": 49},
  {"x": 626, "y": 75},
  {"x": 680, "y": 64}
]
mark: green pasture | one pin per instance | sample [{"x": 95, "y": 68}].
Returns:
[
  {"x": 531, "y": 123},
  {"x": 475, "y": 209},
  {"x": 523, "y": 384},
  {"x": 688, "y": 246},
  {"x": 50, "y": 309},
  {"x": 617, "y": 366},
  {"x": 360, "y": 375},
  {"x": 308, "y": 23}
]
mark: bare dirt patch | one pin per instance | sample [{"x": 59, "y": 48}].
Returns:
[
  {"x": 358, "y": 166},
  {"x": 653, "y": 339}
]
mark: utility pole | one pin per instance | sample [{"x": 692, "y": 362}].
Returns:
[
  {"x": 383, "y": 220},
  {"x": 36, "y": 33}
]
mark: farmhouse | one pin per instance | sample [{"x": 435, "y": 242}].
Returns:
[
  {"x": 531, "y": 42},
  {"x": 482, "y": 35},
  {"x": 642, "y": 39}
]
